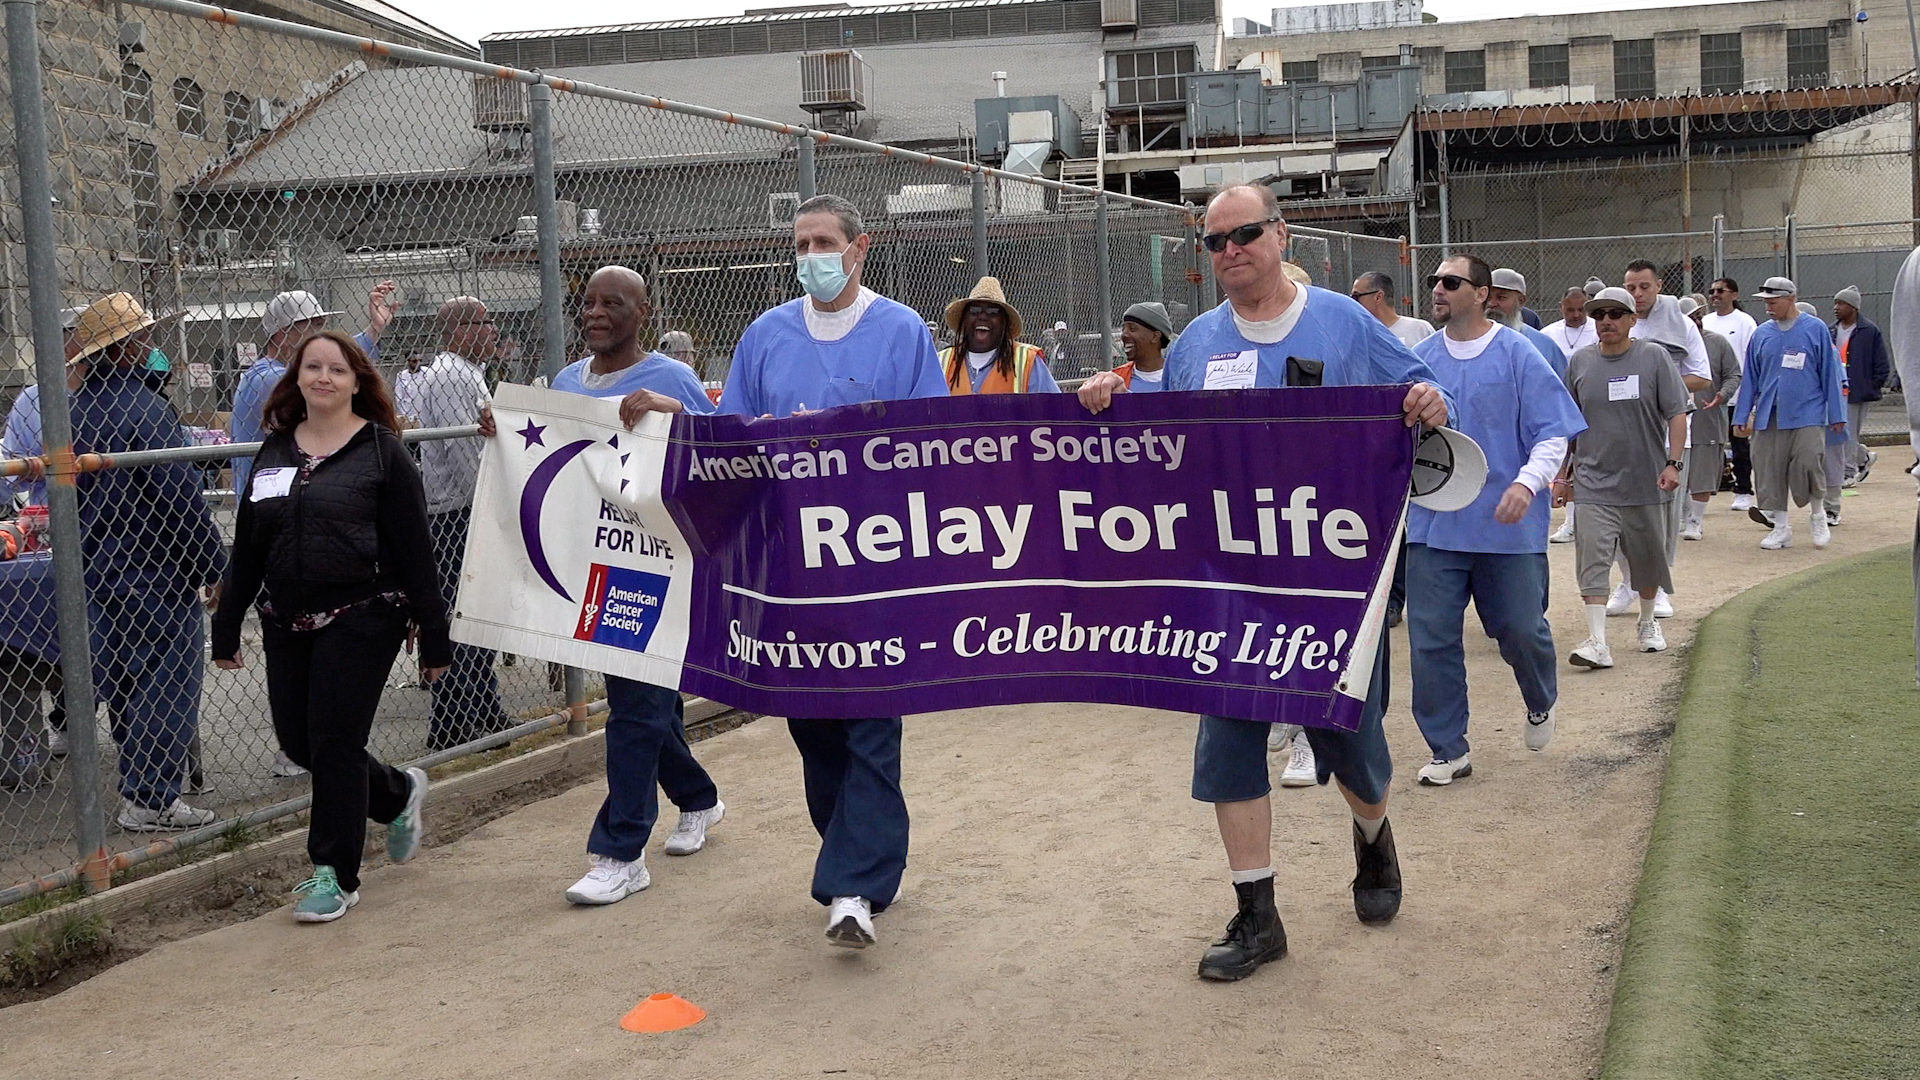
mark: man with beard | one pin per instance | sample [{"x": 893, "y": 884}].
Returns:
[{"x": 1506, "y": 298}]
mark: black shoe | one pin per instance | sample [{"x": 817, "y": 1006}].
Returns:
[
  {"x": 1376, "y": 878},
  {"x": 1759, "y": 516},
  {"x": 1254, "y": 936},
  {"x": 1394, "y": 617}
]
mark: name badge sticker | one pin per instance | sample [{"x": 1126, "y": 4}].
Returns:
[
  {"x": 1232, "y": 371},
  {"x": 272, "y": 483},
  {"x": 1623, "y": 388},
  {"x": 1794, "y": 361}
]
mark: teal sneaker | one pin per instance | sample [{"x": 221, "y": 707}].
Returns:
[
  {"x": 403, "y": 832},
  {"x": 321, "y": 898}
]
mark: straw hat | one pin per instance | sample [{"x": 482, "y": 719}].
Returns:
[
  {"x": 107, "y": 320},
  {"x": 988, "y": 291}
]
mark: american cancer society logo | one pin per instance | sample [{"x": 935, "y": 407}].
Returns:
[{"x": 621, "y": 608}]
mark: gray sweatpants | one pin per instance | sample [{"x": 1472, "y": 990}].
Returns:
[{"x": 1789, "y": 463}]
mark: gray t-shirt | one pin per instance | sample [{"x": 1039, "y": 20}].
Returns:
[{"x": 1627, "y": 400}]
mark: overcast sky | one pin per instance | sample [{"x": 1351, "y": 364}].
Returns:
[{"x": 473, "y": 19}]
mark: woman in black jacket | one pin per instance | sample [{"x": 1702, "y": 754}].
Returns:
[{"x": 334, "y": 522}]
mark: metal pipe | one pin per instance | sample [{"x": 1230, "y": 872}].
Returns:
[
  {"x": 1193, "y": 267},
  {"x": 803, "y": 175},
  {"x": 979, "y": 226},
  {"x": 1719, "y": 246},
  {"x": 1410, "y": 252},
  {"x": 1106, "y": 280},
  {"x": 1793, "y": 249},
  {"x": 95, "y": 462},
  {"x": 1913, "y": 125},
  {"x": 546, "y": 212},
  {"x": 192, "y": 838},
  {"x": 56, "y": 437},
  {"x": 375, "y": 47}
]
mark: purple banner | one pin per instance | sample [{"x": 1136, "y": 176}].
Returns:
[{"x": 1224, "y": 553}]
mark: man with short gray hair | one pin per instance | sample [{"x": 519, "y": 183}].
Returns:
[{"x": 1792, "y": 391}]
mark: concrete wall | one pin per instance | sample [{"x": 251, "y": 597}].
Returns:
[{"x": 1675, "y": 30}]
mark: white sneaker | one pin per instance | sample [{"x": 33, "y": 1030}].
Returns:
[
  {"x": 1623, "y": 600},
  {"x": 1693, "y": 530},
  {"x": 1591, "y": 653},
  {"x": 1279, "y": 736},
  {"x": 56, "y": 742},
  {"x": 1440, "y": 772},
  {"x": 1780, "y": 537},
  {"x": 850, "y": 922},
  {"x": 1563, "y": 534},
  {"x": 610, "y": 881},
  {"x": 174, "y": 818},
  {"x": 1741, "y": 504},
  {"x": 1650, "y": 639},
  {"x": 1300, "y": 770},
  {"x": 284, "y": 766},
  {"x": 690, "y": 835},
  {"x": 1822, "y": 532},
  {"x": 1539, "y": 730},
  {"x": 1662, "y": 604}
]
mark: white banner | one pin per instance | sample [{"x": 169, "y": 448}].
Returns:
[{"x": 571, "y": 556}]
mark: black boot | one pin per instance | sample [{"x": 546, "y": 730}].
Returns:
[
  {"x": 1254, "y": 937},
  {"x": 1376, "y": 878}
]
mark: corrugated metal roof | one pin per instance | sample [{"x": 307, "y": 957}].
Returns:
[{"x": 380, "y": 11}]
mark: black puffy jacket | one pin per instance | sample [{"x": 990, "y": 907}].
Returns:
[{"x": 353, "y": 529}]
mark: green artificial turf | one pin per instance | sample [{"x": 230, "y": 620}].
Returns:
[{"x": 1776, "y": 929}]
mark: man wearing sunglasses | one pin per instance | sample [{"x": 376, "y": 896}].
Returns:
[
  {"x": 1295, "y": 335},
  {"x": 1726, "y": 319},
  {"x": 1373, "y": 290},
  {"x": 1494, "y": 551},
  {"x": 1792, "y": 391},
  {"x": 1623, "y": 469}
]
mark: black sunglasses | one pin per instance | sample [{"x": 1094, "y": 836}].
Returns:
[
  {"x": 1451, "y": 281},
  {"x": 1244, "y": 235},
  {"x": 1369, "y": 292},
  {"x": 1609, "y": 314}
]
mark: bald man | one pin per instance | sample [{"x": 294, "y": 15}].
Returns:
[{"x": 450, "y": 391}]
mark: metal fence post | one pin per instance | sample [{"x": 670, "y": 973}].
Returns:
[
  {"x": 1193, "y": 266},
  {"x": 1719, "y": 246},
  {"x": 1106, "y": 280},
  {"x": 1793, "y": 248},
  {"x": 979, "y": 225},
  {"x": 56, "y": 427},
  {"x": 553, "y": 309},
  {"x": 803, "y": 178}
]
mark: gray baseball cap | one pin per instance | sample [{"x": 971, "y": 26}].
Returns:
[
  {"x": 1504, "y": 278},
  {"x": 1609, "y": 298},
  {"x": 1778, "y": 286}
]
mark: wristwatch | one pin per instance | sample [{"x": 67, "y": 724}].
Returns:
[{"x": 1673, "y": 464}]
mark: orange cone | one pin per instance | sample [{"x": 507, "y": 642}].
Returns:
[{"x": 663, "y": 1012}]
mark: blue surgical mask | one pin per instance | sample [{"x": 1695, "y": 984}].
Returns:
[{"x": 824, "y": 276}]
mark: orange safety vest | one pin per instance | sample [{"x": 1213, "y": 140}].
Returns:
[{"x": 959, "y": 384}]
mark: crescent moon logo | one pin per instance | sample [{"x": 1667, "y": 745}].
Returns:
[{"x": 532, "y": 499}]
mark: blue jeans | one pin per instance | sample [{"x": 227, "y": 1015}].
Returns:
[
  {"x": 1508, "y": 591},
  {"x": 646, "y": 750},
  {"x": 466, "y": 697},
  {"x": 852, "y": 770},
  {"x": 148, "y": 664}
]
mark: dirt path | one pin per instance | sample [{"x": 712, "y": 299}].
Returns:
[{"x": 1062, "y": 887}]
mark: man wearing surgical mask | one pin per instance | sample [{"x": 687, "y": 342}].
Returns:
[{"x": 840, "y": 344}]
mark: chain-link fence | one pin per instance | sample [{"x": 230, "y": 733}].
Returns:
[{"x": 449, "y": 214}]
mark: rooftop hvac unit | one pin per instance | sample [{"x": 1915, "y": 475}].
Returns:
[
  {"x": 499, "y": 104},
  {"x": 1119, "y": 14},
  {"x": 835, "y": 81},
  {"x": 781, "y": 206}
]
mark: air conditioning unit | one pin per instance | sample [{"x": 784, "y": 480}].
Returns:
[
  {"x": 1119, "y": 14},
  {"x": 835, "y": 81},
  {"x": 781, "y": 206},
  {"x": 262, "y": 116},
  {"x": 499, "y": 104}
]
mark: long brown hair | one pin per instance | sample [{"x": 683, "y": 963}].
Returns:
[{"x": 286, "y": 407}]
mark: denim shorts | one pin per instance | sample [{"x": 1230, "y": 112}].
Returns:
[{"x": 1230, "y": 756}]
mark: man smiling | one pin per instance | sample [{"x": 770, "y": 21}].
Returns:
[{"x": 989, "y": 357}]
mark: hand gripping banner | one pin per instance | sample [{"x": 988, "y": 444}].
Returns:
[{"x": 1209, "y": 552}]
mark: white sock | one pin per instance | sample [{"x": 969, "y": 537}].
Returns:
[
  {"x": 1696, "y": 511},
  {"x": 1597, "y": 622},
  {"x": 1646, "y": 606},
  {"x": 1242, "y": 877},
  {"x": 1369, "y": 827}
]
